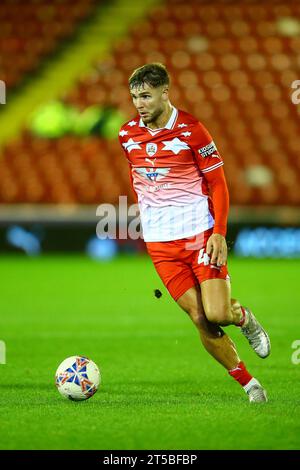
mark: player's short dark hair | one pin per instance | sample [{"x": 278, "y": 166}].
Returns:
[{"x": 154, "y": 75}]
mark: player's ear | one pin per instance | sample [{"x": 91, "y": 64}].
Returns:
[{"x": 165, "y": 93}]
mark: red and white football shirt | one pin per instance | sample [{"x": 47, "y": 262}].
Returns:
[{"x": 168, "y": 168}]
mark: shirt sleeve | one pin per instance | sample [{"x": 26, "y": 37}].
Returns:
[
  {"x": 204, "y": 149},
  {"x": 210, "y": 164},
  {"x": 130, "y": 168},
  {"x": 220, "y": 199},
  {"x": 121, "y": 141},
  {"x": 131, "y": 184}
]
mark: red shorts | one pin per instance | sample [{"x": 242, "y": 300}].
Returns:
[{"x": 184, "y": 263}]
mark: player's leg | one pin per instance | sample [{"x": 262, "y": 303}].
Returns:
[
  {"x": 222, "y": 310},
  {"x": 216, "y": 298},
  {"x": 219, "y": 345},
  {"x": 170, "y": 260},
  {"x": 213, "y": 338}
]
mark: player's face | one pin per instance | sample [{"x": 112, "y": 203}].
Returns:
[{"x": 149, "y": 101}]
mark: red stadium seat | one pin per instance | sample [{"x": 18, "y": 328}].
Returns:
[
  {"x": 35, "y": 29},
  {"x": 230, "y": 66}
]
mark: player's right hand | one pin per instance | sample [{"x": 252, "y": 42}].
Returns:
[{"x": 216, "y": 248}]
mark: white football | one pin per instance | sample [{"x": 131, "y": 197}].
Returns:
[{"x": 77, "y": 378}]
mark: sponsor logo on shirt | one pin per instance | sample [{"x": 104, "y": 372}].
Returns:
[
  {"x": 208, "y": 149},
  {"x": 153, "y": 189},
  {"x": 153, "y": 174}
]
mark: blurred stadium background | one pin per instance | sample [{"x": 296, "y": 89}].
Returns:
[{"x": 65, "y": 66}]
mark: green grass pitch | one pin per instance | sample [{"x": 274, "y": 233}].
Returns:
[{"x": 160, "y": 388}]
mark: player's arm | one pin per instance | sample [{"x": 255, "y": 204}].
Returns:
[
  {"x": 130, "y": 169},
  {"x": 131, "y": 184},
  {"x": 210, "y": 164},
  {"x": 216, "y": 245}
]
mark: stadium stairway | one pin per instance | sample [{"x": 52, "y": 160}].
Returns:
[{"x": 110, "y": 22}]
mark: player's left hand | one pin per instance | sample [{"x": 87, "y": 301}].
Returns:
[{"x": 216, "y": 248}]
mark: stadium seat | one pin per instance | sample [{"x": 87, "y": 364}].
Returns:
[
  {"x": 31, "y": 30},
  {"x": 231, "y": 66}
]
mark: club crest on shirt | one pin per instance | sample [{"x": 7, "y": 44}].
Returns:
[{"x": 151, "y": 149}]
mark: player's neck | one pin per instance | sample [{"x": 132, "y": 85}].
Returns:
[{"x": 163, "y": 119}]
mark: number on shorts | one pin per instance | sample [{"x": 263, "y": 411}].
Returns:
[{"x": 203, "y": 257}]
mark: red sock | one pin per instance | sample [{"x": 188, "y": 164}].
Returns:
[
  {"x": 240, "y": 374},
  {"x": 243, "y": 317}
]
